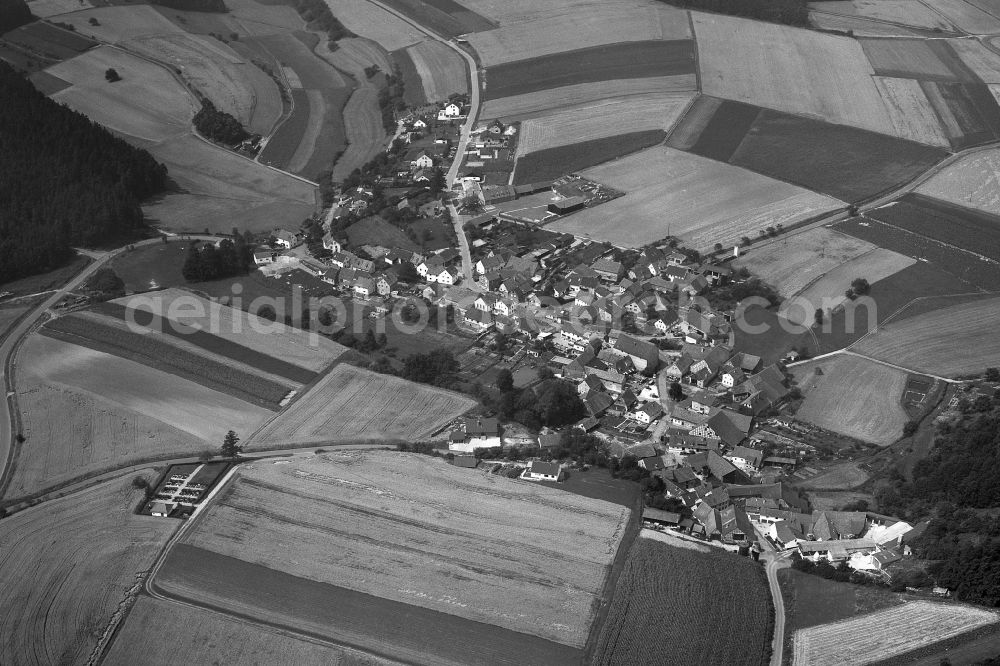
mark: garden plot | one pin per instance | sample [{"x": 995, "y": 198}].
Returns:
[
  {"x": 853, "y": 396},
  {"x": 799, "y": 71},
  {"x": 797, "y": 260},
  {"x": 182, "y": 404},
  {"x": 67, "y": 564},
  {"x": 148, "y": 103},
  {"x": 603, "y": 23},
  {"x": 972, "y": 181},
  {"x": 537, "y": 103},
  {"x": 906, "y": 12},
  {"x": 417, "y": 531},
  {"x": 602, "y": 119},
  {"x": 876, "y": 636},
  {"x": 351, "y": 404},
  {"x": 150, "y": 635},
  {"x": 953, "y": 341},
  {"x": 707, "y": 202}
]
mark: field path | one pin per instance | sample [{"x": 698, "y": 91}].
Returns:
[
  {"x": 778, "y": 643},
  {"x": 847, "y": 352}
]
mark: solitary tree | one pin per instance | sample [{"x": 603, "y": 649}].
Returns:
[
  {"x": 819, "y": 316},
  {"x": 676, "y": 393},
  {"x": 112, "y": 75},
  {"x": 505, "y": 381},
  {"x": 231, "y": 445}
]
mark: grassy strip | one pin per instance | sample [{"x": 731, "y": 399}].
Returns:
[
  {"x": 163, "y": 356},
  {"x": 211, "y": 343},
  {"x": 550, "y": 163}
]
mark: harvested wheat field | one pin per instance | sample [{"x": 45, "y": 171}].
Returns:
[
  {"x": 707, "y": 202},
  {"x": 968, "y": 17},
  {"x": 789, "y": 69},
  {"x": 972, "y": 181},
  {"x": 559, "y": 30},
  {"x": 162, "y": 632},
  {"x": 984, "y": 62},
  {"x": 828, "y": 291},
  {"x": 910, "y": 111},
  {"x": 121, "y": 23},
  {"x": 531, "y": 104},
  {"x": 950, "y": 342},
  {"x": 148, "y": 103},
  {"x": 853, "y": 396},
  {"x": 182, "y": 404},
  {"x": 602, "y": 119},
  {"x": 907, "y": 12},
  {"x": 876, "y": 636},
  {"x": 353, "y": 404},
  {"x": 372, "y": 22},
  {"x": 67, "y": 564},
  {"x": 916, "y": 58},
  {"x": 418, "y": 531},
  {"x": 794, "y": 261},
  {"x": 442, "y": 71}
]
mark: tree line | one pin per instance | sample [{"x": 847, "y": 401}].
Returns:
[
  {"x": 788, "y": 12},
  {"x": 218, "y": 125},
  {"x": 318, "y": 15},
  {"x": 194, "y": 5},
  {"x": 66, "y": 181}
]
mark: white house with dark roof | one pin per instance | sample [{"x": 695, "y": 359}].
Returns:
[{"x": 538, "y": 470}]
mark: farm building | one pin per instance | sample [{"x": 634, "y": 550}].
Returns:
[
  {"x": 567, "y": 205},
  {"x": 161, "y": 509},
  {"x": 542, "y": 471},
  {"x": 644, "y": 355},
  {"x": 667, "y": 518}
]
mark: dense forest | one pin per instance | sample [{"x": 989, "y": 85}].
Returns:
[
  {"x": 194, "y": 5},
  {"x": 789, "y": 12},
  {"x": 66, "y": 181},
  {"x": 218, "y": 125},
  {"x": 956, "y": 487},
  {"x": 14, "y": 13}
]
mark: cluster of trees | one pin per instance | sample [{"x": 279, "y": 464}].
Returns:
[
  {"x": 368, "y": 343},
  {"x": 859, "y": 287},
  {"x": 66, "y": 181},
  {"x": 13, "y": 14},
  {"x": 209, "y": 262},
  {"x": 105, "y": 284},
  {"x": 194, "y": 5},
  {"x": 438, "y": 367},
  {"x": 788, "y": 12},
  {"x": 727, "y": 296},
  {"x": 552, "y": 402},
  {"x": 218, "y": 125},
  {"x": 390, "y": 100},
  {"x": 318, "y": 15}
]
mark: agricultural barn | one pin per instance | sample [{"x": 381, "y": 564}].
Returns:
[
  {"x": 567, "y": 205},
  {"x": 542, "y": 471},
  {"x": 667, "y": 518},
  {"x": 644, "y": 355}
]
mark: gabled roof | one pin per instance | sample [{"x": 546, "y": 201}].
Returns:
[
  {"x": 597, "y": 402},
  {"x": 830, "y": 525},
  {"x": 729, "y": 426},
  {"x": 470, "y": 462},
  {"x": 719, "y": 466},
  {"x": 540, "y": 467},
  {"x": 646, "y": 351},
  {"x": 754, "y": 456},
  {"x": 480, "y": 426}
]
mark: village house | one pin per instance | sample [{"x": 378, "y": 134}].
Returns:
[
  {"x": 450, "y": 112},
  {"x": 644, "y": 355},
  {"x": 478, "y": 433},
  {"x": 542, "y": 471},
  {"x": 332, "y": 244},
  {"x": 364, "y": 287},
  {"x": 648, "y": 413},
  {"x": 745, "y": 458},
  {"x": 285, "y": 238},
  {"x": 262, "y": 257}
]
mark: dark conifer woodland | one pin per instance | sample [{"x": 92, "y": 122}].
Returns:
[{"x": 64, "y": 181}]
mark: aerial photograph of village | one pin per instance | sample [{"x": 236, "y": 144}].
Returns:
[{"x": 500, "y": 332}]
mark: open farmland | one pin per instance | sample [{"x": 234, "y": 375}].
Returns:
[
  {"x": 375, "y": 23},
  {"x": 291, "y": 345},
  {"x": 354, "y": 404},
  {"x": 789, "y": 69},
  {"x": 586, "y": 123},
  {"x": 550, "y": 163},
  {"x": 798, "y": 259},
  {"x": 559, "y": 31},
  {"x": 182, "y": 404},
  {"x": 972, "y": 181},
  {"x": 440, "y": 69},
  {"x": 906, "y": 12},
  {"x": 148, "y": 103},
  {"x": 530, "y": 104},
  {"x": 853, "y": 396},
  {"x": 160, "y": 632},
  {"x": 969, "y": 112},
  {"x": 67, "y": 565},
  {"x": 445, "y": 17},
  {"x": 708, "y": 202},
  {"x": 47, "y": 41},
  {"x": 864, "y": 27},
  {"x": 398, "y": 518},
  {"x": 911, "y": 112},
  {"x": 968, "y": 17},
  {"x": 121, "y": 23},
  {"x": 964, "y": 228},
  {"x": 843, "y": 162},
  {"x": 628, "y": 60},
  {"x": 952, "y": 341},
  {"x": 682, "y": 602},
  {"x": 927, "y": 60},
  {"x": 981, "y": 60},
  {"x": 219, "y": 190},
  {"x": 884, "y": 634},
  {"x": 158, "y": 352},
  {"x": 827, "y": 292},
  {"x": 47, "y": 8}
]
